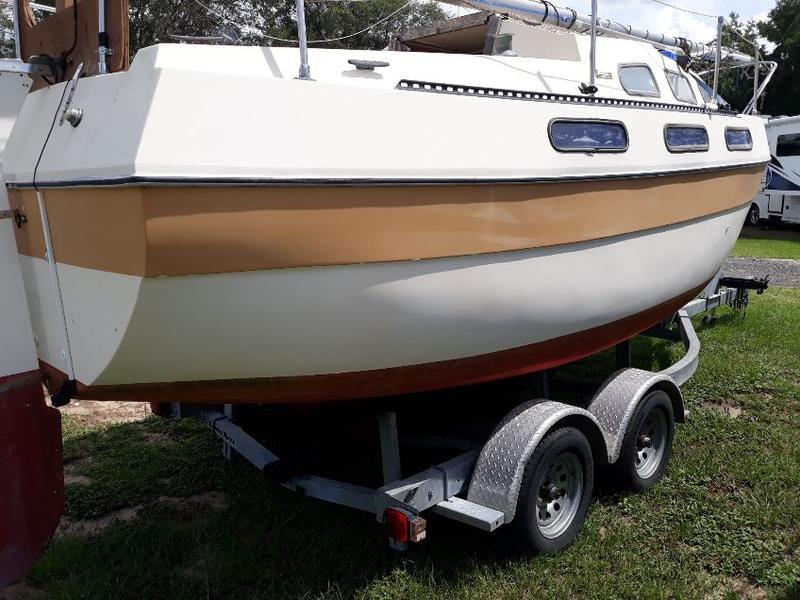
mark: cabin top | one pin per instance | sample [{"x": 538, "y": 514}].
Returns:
[
  {"x": 72, "y": 36},
  {"x": 485, "y": 32}
]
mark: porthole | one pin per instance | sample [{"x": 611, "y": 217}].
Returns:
[
  {"x": 686, "y": 138},
  {"x": 588, "y": 135},
  {"x": 738, "y": 139}
]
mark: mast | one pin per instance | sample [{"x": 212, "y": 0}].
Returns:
[
  {"x": 305, "y": 70},
  {"x": 718, "y": 55},
  {"x": 102, "y": 38}
]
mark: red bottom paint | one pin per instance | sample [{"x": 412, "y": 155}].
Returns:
[{"x": 31, "y": 474}]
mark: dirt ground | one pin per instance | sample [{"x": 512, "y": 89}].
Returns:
[
  {"x": 90, "y": 413},
  {"x": 782, "y": 272}
]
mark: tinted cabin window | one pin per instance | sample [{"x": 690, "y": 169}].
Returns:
[
  {"x": 706, "y": 92},
  {"x": 738, "y": 139},
  {"x": 588, "y": 136},
  {"x": 686, "y": 138},
  {"x": 681, "y": 87},
  {"x": 789, "y": 144},
  {"x": 638, "y": 80}
]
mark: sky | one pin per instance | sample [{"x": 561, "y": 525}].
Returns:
[{"x": 647, "y": 14}]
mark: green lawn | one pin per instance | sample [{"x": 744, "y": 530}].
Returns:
[
  {"x": 769, "y": 243},
  {"x": 767, "y": 248},
  {"x": 724, "y": 523}
]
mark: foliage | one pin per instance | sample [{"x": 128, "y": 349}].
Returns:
[
  {"x": 782, "y": 28},
  {"x": 7, "y": 49},
  {"x": 736, "y": 84},
  {"x": 152, "y": 21},
  {"x": 260, "y": 21}
]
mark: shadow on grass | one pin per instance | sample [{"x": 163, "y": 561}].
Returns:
[
  {"x": 772, "y": 230},
  {"x": 265, "y": 540},
  {"x": 791, "y": 593}
]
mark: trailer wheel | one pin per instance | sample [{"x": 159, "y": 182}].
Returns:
[
  {"x": 753, "y": 216},
  {"x": 647, "y": 445},
  {"x": 555, "y": 492}
]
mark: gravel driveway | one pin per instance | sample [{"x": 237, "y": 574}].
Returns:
[{"x": 783, "y": 272}]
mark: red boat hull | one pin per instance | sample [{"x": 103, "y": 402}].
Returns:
[{"x": 32, "y": 482}]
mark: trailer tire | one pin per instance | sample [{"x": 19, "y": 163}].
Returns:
[
  {"x": 647, "y": 446},
  {"x": 548, "y": 516}
]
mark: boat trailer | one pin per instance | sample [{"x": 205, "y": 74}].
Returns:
[
  {"x": 517, "y": 475},
  {"x": 482, "y": 485}
]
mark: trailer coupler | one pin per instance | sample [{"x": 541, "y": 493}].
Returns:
[{"x": 758, "y": 284}]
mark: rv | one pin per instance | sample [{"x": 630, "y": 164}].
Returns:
[{"x": 779, "y": 199}]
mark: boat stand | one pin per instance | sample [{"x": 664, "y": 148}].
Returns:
[{"x": 480, "y": 486}]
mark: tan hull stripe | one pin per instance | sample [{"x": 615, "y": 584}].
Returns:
[{"x": 154, "y": 231}]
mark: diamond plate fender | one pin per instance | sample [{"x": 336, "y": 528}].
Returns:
[
  {"x": 615, "y": 402},
  {"x": 498, "y": 472}
]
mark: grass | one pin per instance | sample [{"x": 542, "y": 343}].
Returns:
[
  {"x": 767, "y": 248},
  {"x": 724, "y": 523},
  {"x": 760, "y": 243}
]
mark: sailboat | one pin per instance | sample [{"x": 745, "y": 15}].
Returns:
[{"x": 214, "y": 224}]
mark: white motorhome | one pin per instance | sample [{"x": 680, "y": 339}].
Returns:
[{"x": 779, "y": 199}]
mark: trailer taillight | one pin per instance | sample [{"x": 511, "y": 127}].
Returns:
[
  {"x": 396, "y": 525},
  {"x": 403, "y": 527}
]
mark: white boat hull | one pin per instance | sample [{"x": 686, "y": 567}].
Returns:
[{"x": 296, "y": 323}]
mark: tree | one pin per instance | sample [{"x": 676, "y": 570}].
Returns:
[
  {"x": 736, "y": 83},
  {"x": 152, "y": 21},
  {"x": 7, "y": 46},
  {"x": 259, "y": 22},
  {"x": 782, "y": 28},
  {"x": 331, "y": 20}
]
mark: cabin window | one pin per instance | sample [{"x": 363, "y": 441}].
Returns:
[
  {"x": 686, "y": 138},
  {"x": 789, "y": 144},
  {"x": 638, "y": 80},
  {"x": 706, "y": 91},
  {"x": 588, "y": 136},
  {"x": 681, "y": 87},
  {"x": 738, "y": 138}
]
